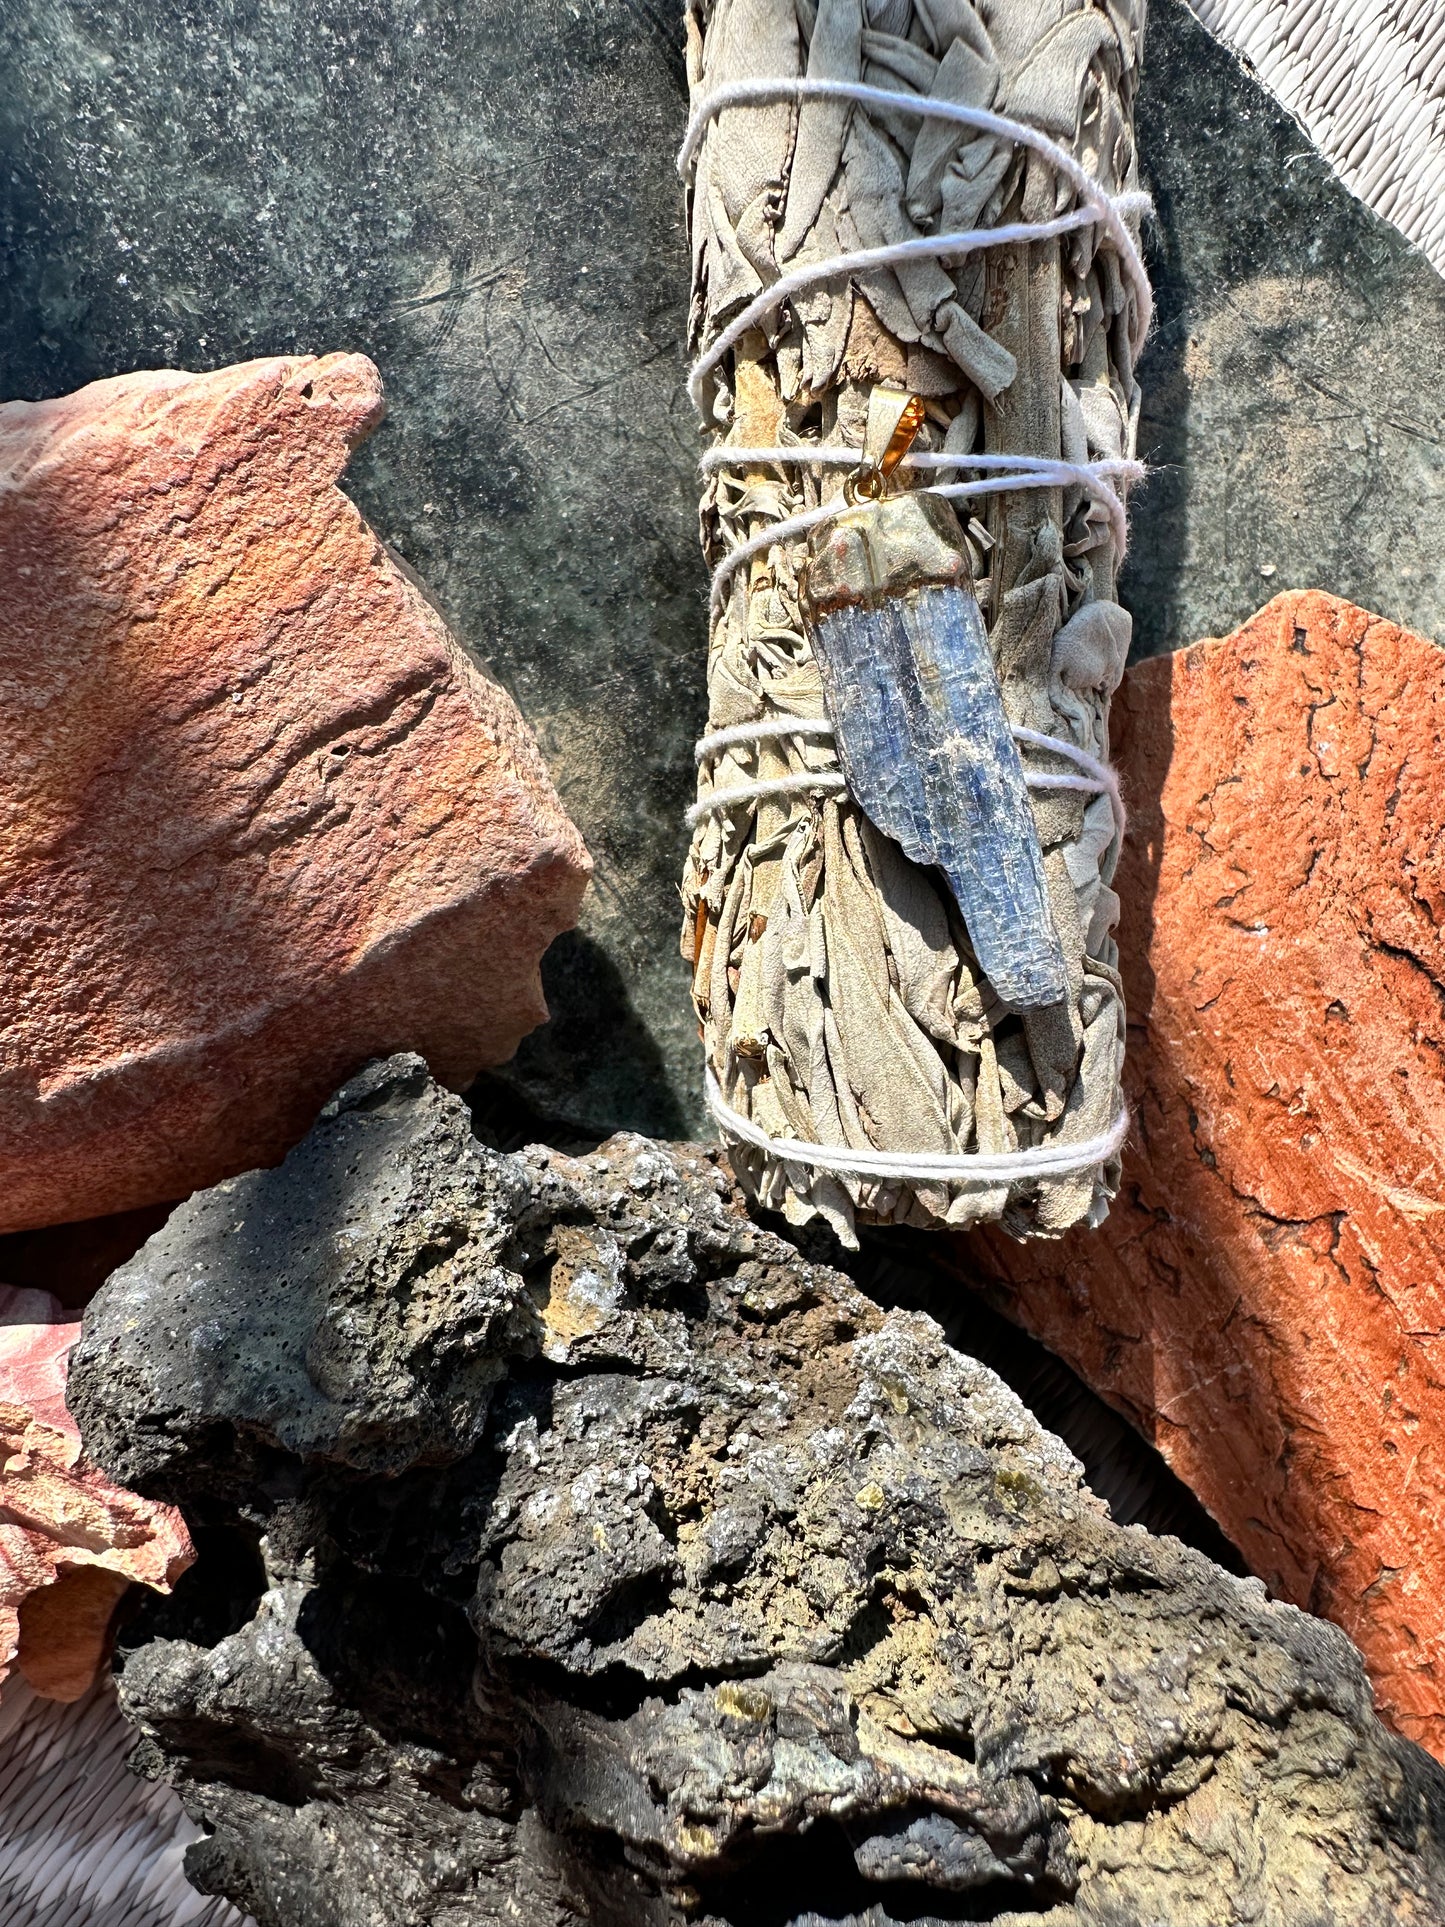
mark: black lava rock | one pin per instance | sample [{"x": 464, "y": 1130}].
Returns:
[{"x": 574, "y": 1550}]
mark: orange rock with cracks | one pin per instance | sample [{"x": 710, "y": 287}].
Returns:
[
  {"x": 1267, "y": 1298},
  {"x": 264, "y": 819},
  {"x": 71, "y": 1540}
]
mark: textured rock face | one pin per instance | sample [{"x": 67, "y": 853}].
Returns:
[
  {"x": 573, "y": 1550},
  {"x": 71, "y": 1541},
  {"x": 266, "y": 819},
  {"x": 1266, "y": 1298}
]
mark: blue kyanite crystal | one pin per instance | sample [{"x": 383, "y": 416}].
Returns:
[{"x": 921, "y": 733}]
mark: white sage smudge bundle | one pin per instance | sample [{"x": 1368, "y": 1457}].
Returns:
[{"x": 917, "y": 303}]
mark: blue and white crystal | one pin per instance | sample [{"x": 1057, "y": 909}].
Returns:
[{"x": 922, "y": 736}]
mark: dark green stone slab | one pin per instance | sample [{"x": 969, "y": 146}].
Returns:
[
  {"x": 1294, "y": 385},
  {"x": 482, "y": 198}
]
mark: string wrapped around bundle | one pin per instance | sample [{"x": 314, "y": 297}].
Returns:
[{"x": 917, "y": 305}]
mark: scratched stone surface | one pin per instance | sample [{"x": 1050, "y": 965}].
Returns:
[
  {"x": 1294, "y": 394},
  {"x": 481, "y": 198}
]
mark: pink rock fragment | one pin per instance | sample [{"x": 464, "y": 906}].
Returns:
[{"x": 71, "y": 1540}]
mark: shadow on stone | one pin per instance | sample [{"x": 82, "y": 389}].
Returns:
[
  {"x": 592, "y": 1069},
  {"x": 72, "y": 1261}
]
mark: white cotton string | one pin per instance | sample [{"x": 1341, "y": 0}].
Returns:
[
  {"x": 1100, "y": 778},
  {"x": 923, "y": 247},
  {"x": 1025, "y": 472},
  {"x": 1108, "y": 210},
  {"x": 1097, "y": 779},
  {"x": 803, "y": 455},
  {"x": 707, "y": 746},
  {"x": 795, "y": 455},
  {"x": 1014, "y": 471},
  {"x": 782, "y": 530},
  {"x": 921, "y": 1167},
  {"x": 823, "y": 779}
]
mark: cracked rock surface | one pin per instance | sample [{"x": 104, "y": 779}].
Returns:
[
  {"x": 1266, "y": 1296},
  {"x": 571, "y": 1549}
]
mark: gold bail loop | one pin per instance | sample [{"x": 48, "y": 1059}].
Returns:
[{"x": 894, "y": 419}]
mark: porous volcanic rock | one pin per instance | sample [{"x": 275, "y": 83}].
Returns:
[
  {"x": 572, "y": 1549},
  {"x": 1267, "y": 1298},
  {"x": 264, "y": 818},
  {"x": 71, "y": 1541}
]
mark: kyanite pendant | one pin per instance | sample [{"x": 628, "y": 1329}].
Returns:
[{"x": 922, "y": 738}]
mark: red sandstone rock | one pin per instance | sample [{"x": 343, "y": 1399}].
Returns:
[
  {"x": 264, "y": 820},
  {"x": 1267, "y": 1298},
  {"x": 71, "y": 1541}
]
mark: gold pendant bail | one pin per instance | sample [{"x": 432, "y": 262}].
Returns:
[{"x": 894, "y": 419}]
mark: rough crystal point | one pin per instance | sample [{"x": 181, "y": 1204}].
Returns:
[
  {"x": 922, "y": 734},
  {"x": 263, "y": 817},
  {"x": 71, "y": 1540},
  {"x": 1267, "y": 1298}
]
